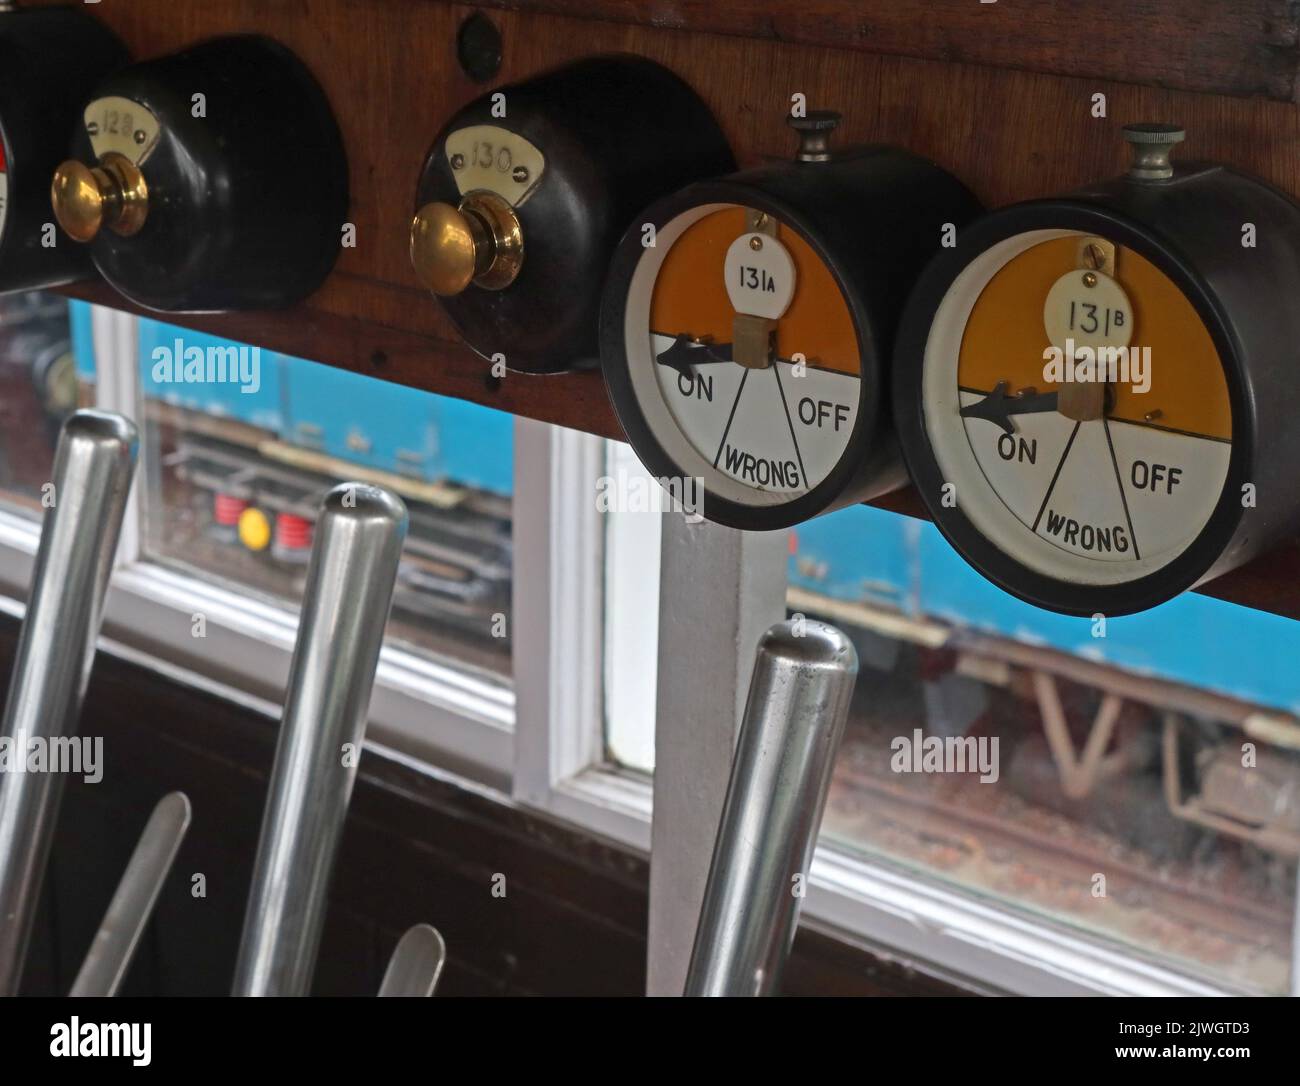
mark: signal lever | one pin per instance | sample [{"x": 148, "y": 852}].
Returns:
[
  {"x": 92, "y": 476},
  {"x": 345, "y": 606},
  {"x": 416, "y": 964},
  {"x": 794, "y": 717},
  {"x": 119, "y": 933}
]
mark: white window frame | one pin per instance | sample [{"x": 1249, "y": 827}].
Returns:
[{"x": 560, "y": 765}]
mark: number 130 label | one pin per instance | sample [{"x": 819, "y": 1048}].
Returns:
[{"x": 488, "y": 157}]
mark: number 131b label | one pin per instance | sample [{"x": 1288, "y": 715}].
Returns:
[{"x": 1089, "y": 308}]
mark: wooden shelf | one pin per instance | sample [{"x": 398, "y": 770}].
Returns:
[
  {"x": 389, "y": 69},
  {"x": 448, "y": 368}
]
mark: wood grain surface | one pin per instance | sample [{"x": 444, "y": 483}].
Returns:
[{"x": 1243, "y": 47}]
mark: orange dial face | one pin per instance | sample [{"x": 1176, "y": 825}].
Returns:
[
  {"x": 754, "y": 353},
  {"x": 690, "y": 296},
  {"x": 1084, "y": 395},
  {"x": 1005, "y": 339}
]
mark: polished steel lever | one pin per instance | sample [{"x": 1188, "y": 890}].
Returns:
[
  {"x": 128, "y": 913},
  {"x": 92, "y": 476},
  {"x": 416, "y": 964},
  {"x": 345, "y": 606},
  {"x": 794, "y": 717}
]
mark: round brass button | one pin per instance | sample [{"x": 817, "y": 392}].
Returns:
[
  {"x": 87, "y": 198},
  {"x": 479, "y": 242},
  {"x": 443, "y": 248},
  {"x": 78, "y": 203}
]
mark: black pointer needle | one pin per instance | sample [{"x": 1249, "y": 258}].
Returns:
[
  {"x": 686, "y": 353},
  {"x": 997, "y": 407}
]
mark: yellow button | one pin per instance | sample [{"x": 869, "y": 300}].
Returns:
[{"x": 254, "y": 529}]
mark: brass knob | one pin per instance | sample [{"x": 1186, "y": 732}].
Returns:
[
  {"x": 479, "y": 242},
  {"x": 87, "y": 198}
]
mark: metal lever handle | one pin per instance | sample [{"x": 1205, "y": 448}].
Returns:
[
  {"x": 345, "y": 606},
  {"x": 794, "y": 718},
  {"x": 416, "y": 964},
  {"x": 119, "y": 933},
  {"x": 92, "y": 476}
]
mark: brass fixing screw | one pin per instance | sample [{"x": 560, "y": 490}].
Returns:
[{"x": 1094, "y": 256}]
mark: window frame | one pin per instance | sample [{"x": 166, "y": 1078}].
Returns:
[{"x": 560, "y": 764}]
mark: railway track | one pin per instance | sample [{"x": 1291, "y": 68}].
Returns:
[{"x": 1006, "y": 847}]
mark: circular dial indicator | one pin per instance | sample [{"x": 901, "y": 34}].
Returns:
[
  {"x": 743, "y": 354},
  {"x": 1076, "y": 400}
]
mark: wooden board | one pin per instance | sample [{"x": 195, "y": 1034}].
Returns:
[
  {"x": 389, "y": 67},
  {"x": 1242, "y": 47}
]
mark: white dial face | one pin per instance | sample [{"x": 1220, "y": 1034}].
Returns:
[
  {"x": 1080, "y": 413},
  {"x": 743, "y": 354}
]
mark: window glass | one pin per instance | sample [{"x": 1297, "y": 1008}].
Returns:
[
  {"x": 241, "y": 443},
  {"x": 632, "y": 535},
  {"x": 44, "y": 354},
  {"x": 1136, "y": 778}
]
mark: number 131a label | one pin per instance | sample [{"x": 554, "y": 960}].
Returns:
[{"x": 760, "y": 276}]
